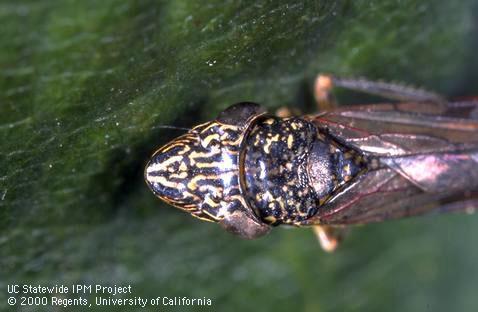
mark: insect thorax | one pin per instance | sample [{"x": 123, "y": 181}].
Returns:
[{"x": 290, "y": 169}]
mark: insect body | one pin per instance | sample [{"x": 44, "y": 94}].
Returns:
[{"x": 250, "y": 171}]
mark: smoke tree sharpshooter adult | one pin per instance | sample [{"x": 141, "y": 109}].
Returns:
[{"x": 251, "y": 171}]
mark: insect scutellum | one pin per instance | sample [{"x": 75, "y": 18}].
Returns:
[{"x": 248, "y": 170}]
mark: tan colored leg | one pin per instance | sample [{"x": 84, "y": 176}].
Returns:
[
  {"x": 329, "y": 237},
  {"x": 285, "y": 112},
  {"x": 323, "y": 93},
  {"x": 393, "y": 91}
]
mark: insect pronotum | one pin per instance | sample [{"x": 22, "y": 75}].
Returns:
[{"x": 250, "y": 171}]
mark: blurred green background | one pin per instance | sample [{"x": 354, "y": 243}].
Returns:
[{"x": 85, "y": 84}]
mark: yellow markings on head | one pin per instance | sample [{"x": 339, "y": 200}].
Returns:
[
  {"x": 192, "y": 186},
  {"x": 211, "y": 190},
  {"x": 229, "y": 142},
  {"x": 208, "y": 200},
  {"x": 209, "y": 138},
  {"x": 184, "y": 150},
  {"x": 181, "y": 175},
  {"x": 201, "y": 171},
  {"x": 163, "y": 166},
  {"x": 194, "y": 155},
  {"x": 270, "y": 219},
  {"x": 214, "y": 217},
  {"x": 218, "y": 124},
  {"x": 201, "y": 217},
  {"x": 211, "y": 153},
  {"x": 183, "y": 166},
  {"x": 166, "y": 182},
  {"x": 198, "y": 127},
  {"x": 182, "y": 142},
  {"x": 224, "y": 136},
  {"x": 183, "y": 203},
  {"x": 208, "y": 164}
]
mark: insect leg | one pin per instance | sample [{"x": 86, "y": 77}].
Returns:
[
  {"x": 329, "y": 236},
  {"x": 322, "y": 93},
  {"x": 393, "y": 91},
  {"x": 285, "y": 112}
]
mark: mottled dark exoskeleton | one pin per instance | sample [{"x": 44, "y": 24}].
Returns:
[{"x": 250, "y": 171}]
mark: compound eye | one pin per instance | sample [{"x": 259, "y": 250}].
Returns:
[
  {"x": 239, "y": 114},
  {"x": 244, "y": 225}
]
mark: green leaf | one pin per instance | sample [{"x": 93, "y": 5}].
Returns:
[{"x": 86, "y": 85}]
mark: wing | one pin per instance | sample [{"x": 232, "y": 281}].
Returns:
[
  {"x": 383, "y": 195},
  {"x": 404, "y": 128},
  {"x": 427, "y": 155}
]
